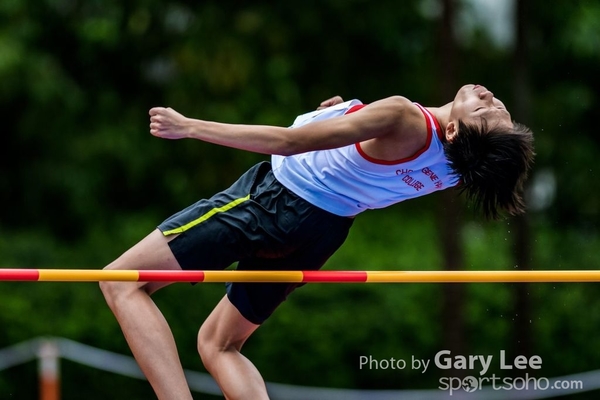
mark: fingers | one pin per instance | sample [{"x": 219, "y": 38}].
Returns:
[
  {"x": 155, "y": 110},
  {"x": 159, "y": 114},
  {"x": 156, "y": 119},
  {"x": 154, "y": 128},
  {"x": 160, "y": 110},
  {"x": 330, "y": 102},
  {"x": 166, "y": 123}
]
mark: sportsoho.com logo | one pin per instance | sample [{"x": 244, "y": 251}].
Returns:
[
  {"x": 444, "y": 360},
  {"x": 471, "y": 384}
]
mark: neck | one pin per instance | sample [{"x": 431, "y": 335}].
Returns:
[{"x": 442, "y": 114}]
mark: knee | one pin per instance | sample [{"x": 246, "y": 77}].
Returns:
[
  {"x": 207, "y": 346},
  {"x": 110, "y": 290},
  {"x": 113, "y": 290},
  {"x": 211, "y": 346}
]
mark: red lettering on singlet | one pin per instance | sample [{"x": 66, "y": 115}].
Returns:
[
  {"x": 430, "y": 174},
  {"x": 410, "y": 181}
]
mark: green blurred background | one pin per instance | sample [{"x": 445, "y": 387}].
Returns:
[{"x": 82, "y": 180}]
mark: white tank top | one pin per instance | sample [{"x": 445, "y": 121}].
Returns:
[{"x": 345, "y": 181}]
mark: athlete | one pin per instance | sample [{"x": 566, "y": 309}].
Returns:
[{"x": 294, "y": 212}]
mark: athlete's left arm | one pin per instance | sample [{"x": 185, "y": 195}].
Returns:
[{"x": 379, "y": 118}]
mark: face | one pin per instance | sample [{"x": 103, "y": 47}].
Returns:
[{"x": 474, "y": 103}]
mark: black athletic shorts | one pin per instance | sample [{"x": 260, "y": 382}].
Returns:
[{"x": 260, "y": 224}]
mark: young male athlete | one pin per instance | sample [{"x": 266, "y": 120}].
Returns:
[{"x": 294, "y": 212}]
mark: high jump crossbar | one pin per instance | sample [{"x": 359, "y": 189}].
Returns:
[{"x": 89, "y": 275}]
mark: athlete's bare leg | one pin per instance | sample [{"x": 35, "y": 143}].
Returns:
[
  {"x": 143, "y": 325},
  {"x": 220, "y": 340}
]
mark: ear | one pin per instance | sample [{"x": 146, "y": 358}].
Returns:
[{"x": 451, "y": 131}]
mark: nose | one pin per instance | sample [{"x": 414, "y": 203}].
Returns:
[{"x": 486, "y": 95}]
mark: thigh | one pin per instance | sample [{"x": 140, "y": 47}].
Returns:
[
  {"x": 225, "y": 327},
  {"x": 257, "y": 301},
  {"x": 151, "y": 253}
]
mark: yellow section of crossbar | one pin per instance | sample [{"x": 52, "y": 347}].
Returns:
[
  {"x": 87, "y": 275},
  {"x": 482, "y": 276},
  {"x": 253, "y": 276}
]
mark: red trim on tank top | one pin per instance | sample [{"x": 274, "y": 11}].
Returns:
[
  {"x": 406, "y": 159},
  {"x": 438, "y": 128},
  {"x": 355, "y": 108}
]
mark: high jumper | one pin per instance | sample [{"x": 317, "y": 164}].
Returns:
[{"x": 295, "y": 212}]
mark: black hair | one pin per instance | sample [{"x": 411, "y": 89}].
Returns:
[{"x": 492, "y": 165}]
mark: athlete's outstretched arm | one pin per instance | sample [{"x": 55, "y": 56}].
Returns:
[{"x": 380, "y": 118}]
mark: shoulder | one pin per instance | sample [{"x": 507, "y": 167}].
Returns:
[
  {"x": 398, "y": 103},
  {"x": 405, "y": 111},
  {"x": 406, "y": 132}
]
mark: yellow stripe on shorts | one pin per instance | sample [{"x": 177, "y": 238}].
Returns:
[{"x": 206, "y": 216}]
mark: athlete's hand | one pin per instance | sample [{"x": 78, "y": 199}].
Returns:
[
  {"x": 330, "y": 102},
  {"x": 167, "y": 123}
]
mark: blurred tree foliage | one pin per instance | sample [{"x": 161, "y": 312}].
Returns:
[{"x": 82, "y": 179}]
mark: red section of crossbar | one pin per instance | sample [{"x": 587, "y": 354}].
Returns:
[
  {"x": 8, "y": 274},
  {"x": 171, "y": 276},
  {"x": 334, "y": 276}
]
